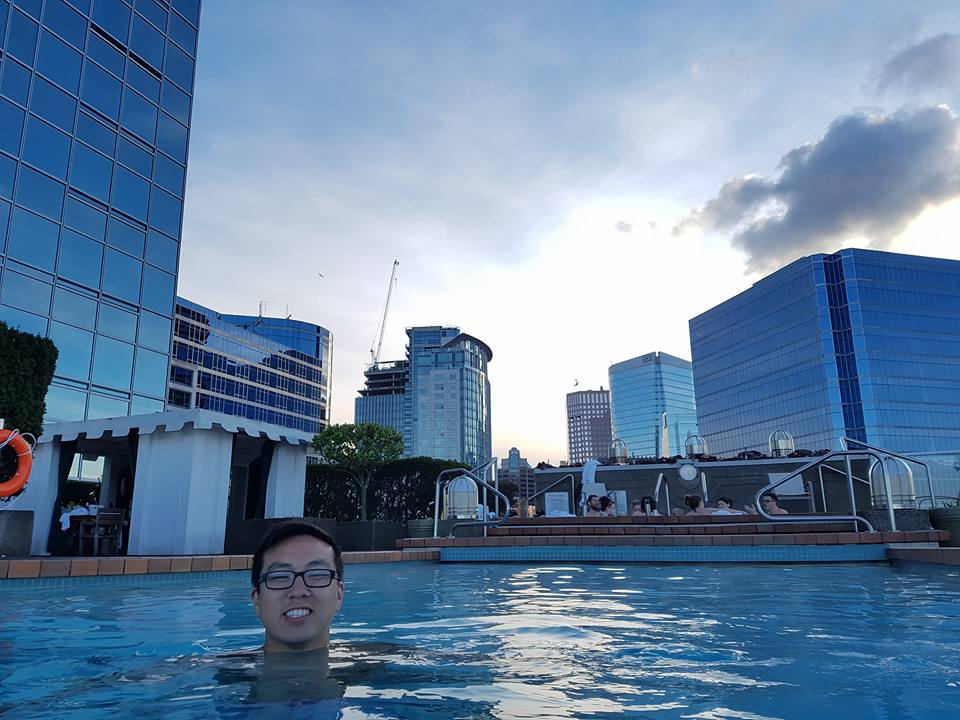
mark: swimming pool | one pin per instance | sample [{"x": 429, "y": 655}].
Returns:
[{"x": 423, "y": 640}]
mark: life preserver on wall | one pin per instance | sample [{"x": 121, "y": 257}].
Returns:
[{"x": 15, "y": 440}]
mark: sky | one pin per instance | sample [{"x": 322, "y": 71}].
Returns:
[{"x": 570, "y": 182}]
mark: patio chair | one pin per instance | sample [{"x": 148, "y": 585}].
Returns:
[{"x": 105, "y": 532}]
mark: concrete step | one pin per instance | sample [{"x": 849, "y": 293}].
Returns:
[
  {"x": 924, "y": 537},
  {"x": 688, "y": 528}
]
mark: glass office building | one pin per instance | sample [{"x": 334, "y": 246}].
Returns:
[
  {"x": 647, "y": 392},
  {"x": 859, "y": 343},
  {"x": 444, "y": 409},
  {"x": 95, "y": 102},
  {"x": 271, "y": 370}
]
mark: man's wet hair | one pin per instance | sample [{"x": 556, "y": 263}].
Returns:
[
  {"x": 285, "y": 531},
  {"x": 771, "y": 495}
]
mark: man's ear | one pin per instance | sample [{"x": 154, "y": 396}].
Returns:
[{"x": 255, "y": 599}]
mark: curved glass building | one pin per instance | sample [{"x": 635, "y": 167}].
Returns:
[
  {"x": 439, "y": 397},
  {"x": 272, "y": 370}
]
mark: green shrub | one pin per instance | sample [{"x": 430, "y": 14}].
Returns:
[{"x": 26, "y": 369}]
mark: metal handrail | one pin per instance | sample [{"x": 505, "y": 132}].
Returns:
[
  {"x": 457, "y": 472},
  {"x": 823, "y": 494},
  {"x": 888, "y": 453},
  {"x": 573, "y": 488},
  {"x": 656, "y": 492},
  {"x": 473, "y": 475},
  {"x": 758, "y": 506}
]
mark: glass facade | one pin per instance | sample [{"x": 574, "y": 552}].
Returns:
[
  {"x": 860, "y": 343},
  {"x": 642, "y": 390},
  {"x": 95, "y": 102},
  {"x": 444, "y": 408},
  {"x": 589, "y": 431},
  {"x": 235, "y": 364}
]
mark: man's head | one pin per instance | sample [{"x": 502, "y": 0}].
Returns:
[
  {"x": 297, "y": 578},
  {"x": 769, "y": 501},
  {"x": 594, "y": 502}
]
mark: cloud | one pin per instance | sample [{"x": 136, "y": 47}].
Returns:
[
  {"x": 933, "y": 64},
  {"x": 866, "y": 178}
]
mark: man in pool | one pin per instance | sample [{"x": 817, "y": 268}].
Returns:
[{"x": 297, "y": 578}]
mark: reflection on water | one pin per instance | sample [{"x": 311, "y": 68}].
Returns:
[{"x": 481, "y": 641}]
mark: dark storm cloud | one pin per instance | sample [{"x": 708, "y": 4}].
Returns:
[
  {"x": 868, "y": 176},
  {"x": 933, "y": 64}
]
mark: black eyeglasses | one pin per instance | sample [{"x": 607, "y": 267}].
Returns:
[{"x": 283, "y": 579}]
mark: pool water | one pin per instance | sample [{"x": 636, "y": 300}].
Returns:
[{"x": 421, "y": 640}]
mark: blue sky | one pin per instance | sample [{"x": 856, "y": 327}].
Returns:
[{"x": 555, "y": 177}]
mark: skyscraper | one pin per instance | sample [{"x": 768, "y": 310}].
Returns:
[
  {"x": 95, "y": 102},
  {"x": 588, "y": 425},
  {"x": 272, "y": 370},
  {"x": 858, "y": 343},
  {"x": 444, "y": 408},
  {"x": 517, "y": 470},
  {"x": 652, "y": 404}
]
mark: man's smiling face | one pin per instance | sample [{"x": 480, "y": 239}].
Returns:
[{"x": 297, "y": 619}]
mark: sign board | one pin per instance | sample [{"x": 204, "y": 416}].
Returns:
[
  {"x": 794, "y": 486},
  {"x": 556, "y": 504}
]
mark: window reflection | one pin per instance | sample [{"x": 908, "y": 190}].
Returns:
[
  {"x": 112, "y": 363},
  {"x": 80, "y": 259},
  {"x": 74, "y": 346},
  {"x": 33, "y": 239}
]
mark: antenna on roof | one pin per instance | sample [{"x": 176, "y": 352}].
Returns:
[{"x": 263, "y": 308}]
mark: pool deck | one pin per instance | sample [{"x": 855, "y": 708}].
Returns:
[{"x": 51, "y": 567}]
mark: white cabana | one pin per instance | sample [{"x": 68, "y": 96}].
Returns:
[{"x": 181, "y": 464}]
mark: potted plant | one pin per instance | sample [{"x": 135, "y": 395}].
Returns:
[{"x": 948, "y": 518}]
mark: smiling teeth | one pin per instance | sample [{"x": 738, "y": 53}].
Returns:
[{"x": 297, "y": 613}]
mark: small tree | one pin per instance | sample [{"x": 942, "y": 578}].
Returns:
[
  {"x": 359, "y": 451},
  {"x": 26, "y": 368}
]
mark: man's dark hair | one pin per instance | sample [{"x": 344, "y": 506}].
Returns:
[
  {"x": 692, "y": 501},
  {"x": 728, "y": 501},
  {"x": 770, "y": 495},
  {"x": 591, "y": 498},
  {"x": 285, "y": 531}
]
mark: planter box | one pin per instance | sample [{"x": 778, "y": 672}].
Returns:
[
  {"x": 947, "y": 519},
  {"x": 368, "y": 536},
  {"x": 243, "y": 536},
  {"x": 16, "y": 532}
]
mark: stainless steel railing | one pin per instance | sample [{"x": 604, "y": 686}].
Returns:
[
  {"x": 573, "y": 489},
  {"x": 758, "y": 506},
  {"x": 475, "y": 476},
  {"x": 887, "y": 453}
]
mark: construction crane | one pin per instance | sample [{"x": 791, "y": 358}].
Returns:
[{"x": 378, "y": 337}]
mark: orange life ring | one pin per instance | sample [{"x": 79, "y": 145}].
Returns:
[{"x": 24, "y": 462}]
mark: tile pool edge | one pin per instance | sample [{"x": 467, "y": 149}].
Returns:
[
  {"x": 15, "y": 569},
  {"x": 705, "y": 554}
]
